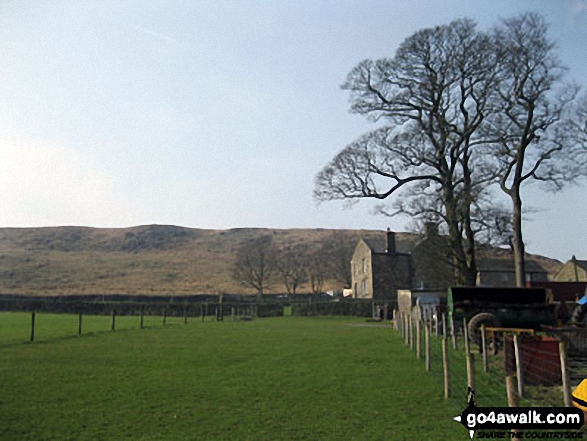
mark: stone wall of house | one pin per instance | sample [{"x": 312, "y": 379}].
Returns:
[
  {"x": 430, "y": 262},
  {"x": 391, "y": 272},
  {"x": 362, "y": 272}
]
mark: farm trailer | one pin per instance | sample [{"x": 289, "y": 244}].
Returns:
[{"x": 527, "y": 308}]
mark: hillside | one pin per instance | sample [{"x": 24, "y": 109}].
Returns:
[{"x": 154, "y": 259}]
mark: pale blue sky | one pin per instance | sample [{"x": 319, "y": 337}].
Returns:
[{"x": 216, "y": 114}]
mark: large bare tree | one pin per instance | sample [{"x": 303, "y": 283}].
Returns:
[
  {"x": 254, "y": 264},
  {"x": 318, "y": 269},
  {"x": 292, "y": 265},
  {"x": 533, "y": 122},
  {"x": 430, "y": 100}
]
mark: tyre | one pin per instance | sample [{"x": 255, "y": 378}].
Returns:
[
  {"x": 579, "y": 315},
  {"x": 474, "y": 327}
]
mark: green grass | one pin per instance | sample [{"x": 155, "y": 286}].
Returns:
[
  {"x": 269, "y": 379},
  {"x": 16, "y": 327}
]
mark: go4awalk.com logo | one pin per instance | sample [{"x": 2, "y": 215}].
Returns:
[{"x": 522, "y": 419}]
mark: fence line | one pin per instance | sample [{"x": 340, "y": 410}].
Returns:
[
  {"x": 539, "y": 367},
  {"x": 109, "y": 323}
]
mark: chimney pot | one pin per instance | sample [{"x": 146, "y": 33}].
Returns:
[{"x": 390, "y": 242}]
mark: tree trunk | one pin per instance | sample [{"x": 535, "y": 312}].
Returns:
[
  {"x": 517, "y": 240},
  {"x": 462, "y": 270},
  {"x": 469, "y": 246}
]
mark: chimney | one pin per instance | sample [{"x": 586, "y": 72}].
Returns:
[
  {"x": 431, "y": 229},
  {"x": 390, "y": 242}
]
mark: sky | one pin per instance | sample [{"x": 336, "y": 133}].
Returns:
[{"x": 218, "y": 113}]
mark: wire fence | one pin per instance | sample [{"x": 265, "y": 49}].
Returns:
[
  {"x": 538, "y": 364},
  {"x": 34, "y": 326}
]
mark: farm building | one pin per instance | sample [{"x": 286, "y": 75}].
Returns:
[
  {"x": 379, "y": 268},
  {"x": 572, "y": 271},
  {"x": 502, "y": 272}
]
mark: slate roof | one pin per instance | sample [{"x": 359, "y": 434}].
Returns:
[
  {"x": 404, "y": 244},
  {"x": 507, "y": 265}
]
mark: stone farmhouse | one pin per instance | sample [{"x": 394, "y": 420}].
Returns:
[{"x": 379, "y": 269}]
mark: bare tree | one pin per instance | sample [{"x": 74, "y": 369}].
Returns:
[
  {"x": 292, "y": 266},
  {"x": 317, "y": 270},
  {"x": 432, "y": 97},
  {"x": 579, "y": 128},
  {"x": 337, "y": 251},
  {"x": 532, "y": 127},
  {"x": 254, "y": 264}
]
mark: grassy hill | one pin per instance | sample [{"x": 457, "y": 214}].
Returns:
[{"x": 153, "y": 259}]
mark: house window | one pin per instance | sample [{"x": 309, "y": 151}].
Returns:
[
  {"x": 364, "y": 266},
  {"x": 364, "y": 287}
]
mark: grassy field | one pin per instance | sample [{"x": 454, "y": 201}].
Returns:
[{"x": 269, "y": 379}]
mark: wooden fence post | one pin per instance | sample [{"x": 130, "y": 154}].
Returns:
[
  {"x": 453, "y": 332},
  {"x": 33, "y": 314},
  {"x": 79, "y": 324},
  {"x": 484, "y": 349},
  {"x": 466, "y": 334},
  {"x": 513, "y": 398},
  {"x": 519, "y": 365},
  {"x": 427, "y": 331},
  {"x": 565, "y": 374},
  {"x": 395, "y": 326},
  {"x": 444, "y": 330},
  {"x": 411, "y": 333},
  {"x": 470, "y": 370},
  {"x": 418, "y": 340},
  {"x": 446, "y": 368},
  {"x": 113, "y": 320},
  {"x": 437, "y": 323}
]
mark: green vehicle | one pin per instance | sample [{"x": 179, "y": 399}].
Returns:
[{"x": 527, "y": 308}]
